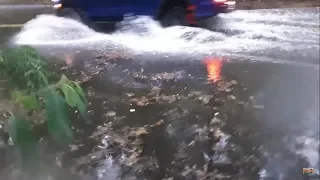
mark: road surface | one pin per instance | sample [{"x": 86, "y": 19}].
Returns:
[{"x": 273, "y": 55}]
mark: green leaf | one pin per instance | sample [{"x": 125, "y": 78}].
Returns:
[
  {"x": 43, "y": 77},
  {"x": 22, "y": 136},
  {"x": 29, "y": 102},
  {"x": 82, "y": 103},
  {"x": 26, "y": 69},
  {"x": 58, "y": 123},
  {"x": 31, "y": 71},
  {"x": 82, "y": 109},
  {"x": 70, "y": 95},
  {"x": 20, "y": 131},
  {"x": 73, "y": 98},
  {"x": 80, "y": 92}
]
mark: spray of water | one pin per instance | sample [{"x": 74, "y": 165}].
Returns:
[{"x": 233, "y": 34}]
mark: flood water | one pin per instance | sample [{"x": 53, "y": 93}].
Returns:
[{"x": 240, "y": 100}]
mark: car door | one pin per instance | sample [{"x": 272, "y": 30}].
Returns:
[
  {"x": 104, "y": 10},
  {"x": 205, "y": 8},
  {"x": 141, "y": 7}
]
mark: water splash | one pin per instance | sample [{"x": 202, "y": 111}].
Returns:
[{"x": 233, "y": 35}]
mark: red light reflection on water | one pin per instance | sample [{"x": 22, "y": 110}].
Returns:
[
  {"x": 69, "y": 59},
  {"x": 213, "y": 66}
]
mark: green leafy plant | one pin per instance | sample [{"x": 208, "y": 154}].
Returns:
[
  {"x": 26, "y": 68},
  {"x": 35, "y": 89},
  {"x": 55, "y": 99}
]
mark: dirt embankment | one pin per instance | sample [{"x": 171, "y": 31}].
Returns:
[{"x": 241, "y": 4}]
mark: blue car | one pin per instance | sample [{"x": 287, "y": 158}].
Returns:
[{"x": 167, "y": 12}]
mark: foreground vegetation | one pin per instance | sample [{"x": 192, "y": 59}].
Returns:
[{"x": 36, "y": 90}]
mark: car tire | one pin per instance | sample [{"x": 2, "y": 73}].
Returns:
[
  {"x": 175, "y": 16},
  {"x": 75, "y": 15}
]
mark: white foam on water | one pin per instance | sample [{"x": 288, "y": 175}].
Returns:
[
  {"x": 144, "y": 35},
  {"x": 58, "y": 31},
  {"x": 48, "y": 29}
]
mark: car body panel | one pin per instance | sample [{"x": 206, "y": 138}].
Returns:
[{"x": 115, "y": 10}]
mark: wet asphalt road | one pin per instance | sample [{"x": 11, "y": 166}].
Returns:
[{"x": 273, "y": 54}]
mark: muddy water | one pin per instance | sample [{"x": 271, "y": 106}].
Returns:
[
  {"x": 238, "y": 102},
  {"x": 265, "y": 136}
]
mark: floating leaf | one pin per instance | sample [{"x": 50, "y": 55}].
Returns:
[
  {"x": 70, "y": 95},
  {"x": 58, "y": 123}
]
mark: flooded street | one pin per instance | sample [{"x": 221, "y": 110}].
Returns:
[{"x": 238, "y": 100}]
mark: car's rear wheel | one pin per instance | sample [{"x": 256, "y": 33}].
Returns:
[{"x": 175, "y": 16}]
